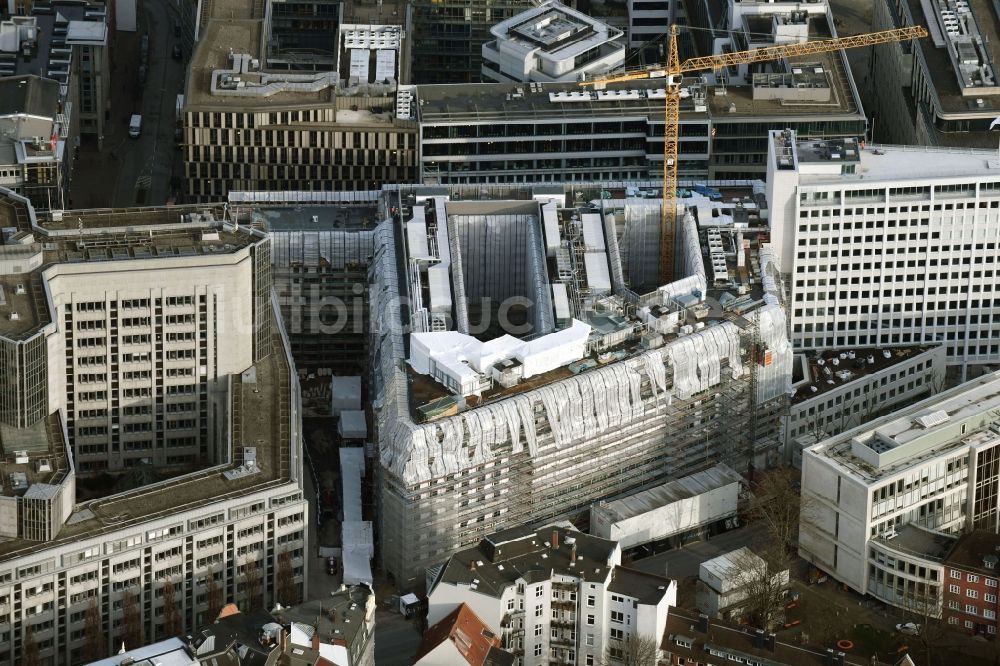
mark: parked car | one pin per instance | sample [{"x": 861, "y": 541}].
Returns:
[
  {"x": 908, "y": 628},
  {"x": 177, "y": 28},
  {"x": 178, "y": 53},
  {"x": 332, "y": 567}
]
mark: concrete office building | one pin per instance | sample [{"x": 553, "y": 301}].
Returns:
[
  {"x": 836, "y": 391},
  {"x": 479, "y": 429},
  {"x": 448, "y": 36},
  {"x": 888, "y": 245},
  {"x": 551, "y": 42},
  {"x": 34, "y": 159},
  {"x": 539, "y": 132},
  {"x": 286, "y": 97},
  {"x": 66, "y": 41},
  {"x": 108, "y": 371},
  {"x": 648, "y": 21},
  {"x": 940, "y": 91},
  {"x": 554, "y": 595},
  {"x": 884, "y": 502}
]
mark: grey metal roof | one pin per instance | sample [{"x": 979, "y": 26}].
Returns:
[{"x": 29, "y": 94}]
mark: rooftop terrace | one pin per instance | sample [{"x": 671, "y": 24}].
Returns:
[
  {"x": 37, "y": 454},
  {"x": 825, "y": 371}
]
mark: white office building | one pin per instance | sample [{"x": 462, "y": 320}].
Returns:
[
  {"x": 834, "y": 391},
  {"x": 883, "y": 503},
  {"x": 888, "y": 245},
  {"x": 555, "y": 595},
  {"x": 549, "y": 43}
]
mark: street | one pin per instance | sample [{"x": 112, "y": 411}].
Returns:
[{"x": 129, "y": 172}]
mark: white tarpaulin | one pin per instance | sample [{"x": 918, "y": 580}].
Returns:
[
  {"x": 356, "y": 534},
  {"x": 352, "y": 424}
]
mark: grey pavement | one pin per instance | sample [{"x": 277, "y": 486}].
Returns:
[
  {"x": 683, "y": 562},
  {"x": 396, "y": 639}
]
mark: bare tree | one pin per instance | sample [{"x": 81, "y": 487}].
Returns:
[
  {"x": 29, "y": 648},
  {"x": 171, "y": 614},
  {"x": 95, "y": 646},
  {"x": 131, "y": 620},
  {"x": 762, "y": 585},
  {"x": 214, "y": 594},
  {"x": 288, "y": 591},
  {"x": 633, "y": 651},
  {"x": 252, "y": 588},
  {"x": 778, "y": 505},
  {"x": 924, "y": 609}
]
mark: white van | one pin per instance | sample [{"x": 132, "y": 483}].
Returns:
[{"x": 135, "y": 126}]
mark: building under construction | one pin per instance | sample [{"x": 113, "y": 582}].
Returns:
[{"x": 526, "y": 362}]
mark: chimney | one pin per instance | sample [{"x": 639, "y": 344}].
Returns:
[
  {"x": 572, "y": 554},
  {"x": 758, "y": 639},
  {"x": 555, "y": 539},
  {"x": 770, "y": 642},
  {"x": 284, "y": 640},
  {"x": 315, "y": 639},
  {"x": 702, "y": 624}
]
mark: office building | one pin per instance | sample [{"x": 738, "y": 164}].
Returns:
[
  {"x": 141, "y": 344},
  {"x": 887, "y": 246},
  {"x": 884, "y": 502},
  {"x": 286, "y": 97},
  {"x": 648, "y": 21},
  {"x": 509, "y": 318},
  {"x": 555, "y": 595},
  {"x": 34, "y": 160},
  {"x": 66, "y": 41},
  {"x": 551, "y": 42},
  {"x": 448, "y": 36},
  {"x": 836, "y": 391},
  {"x": 939, "y": 91},
  {"x": 537, "y": 132},
  {"x": 970, "y": 590}
]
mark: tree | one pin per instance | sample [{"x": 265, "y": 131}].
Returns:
[
  {"x": 924, "y": 609},
  {"x": 633, "y": 651},
  {"x": 252, "y": 588},
  {"x": 96, "y": 645},
  {"x": 288, "y": 591},
  {"x": 777, "y": 504},
  {"x": 131, "y": 620},
  {"x": 29, "y": 648},
  {"x": 214, "y": 594},
  {"x": 762, "y": 587},
  {"x": 171, "y": 615}
]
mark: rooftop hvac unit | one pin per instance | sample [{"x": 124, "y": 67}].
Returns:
[{"x": 20, "y": 457}]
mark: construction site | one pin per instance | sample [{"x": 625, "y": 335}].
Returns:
[{"x": 528, "y": 360}]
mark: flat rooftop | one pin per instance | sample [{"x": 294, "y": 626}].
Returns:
[
  {"x": 954, "y": 419},
  {"x": 260, "y": 418},
  {"x": 851, "y": 364},
  {"x": 878, "y": 162},
  {"x": 317, "y": 218},
  {"x": 941, "y": 65},
  {"x": 554, "y": 28},
  {"x": 338, "y": 617},
  {"x": 673, "y": 491},
  {"x": 42, "y": 441},
  {"x": 915, "y": 540}
]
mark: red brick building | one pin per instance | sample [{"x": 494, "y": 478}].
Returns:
[{"x": 971, "y": 576}]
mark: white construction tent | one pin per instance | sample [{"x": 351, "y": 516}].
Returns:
[
  {"x": 352, "y": 424},
  {"x": 345, "y": 393},
  {"x": 356, "y": 534}
]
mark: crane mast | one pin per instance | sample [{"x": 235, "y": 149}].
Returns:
[{"x": 672, "y": 72}]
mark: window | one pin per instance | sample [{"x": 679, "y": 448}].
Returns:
[
  {"x": 617, "y": 616},
  {"x": 956, "y": 574},
  {"x": 617, "y": 634},
  {"x": 590, "y": 620},
  {"x": 538, "y": 610},
  {"x": 590, "y": 660},
  {"x": 969, "y": 624},
  {"x": 955, "y": 589},
  {"x": 989, "y": 614},
  {"x": 969, "y": 608},
  {"x": 990, "y": 598},
  {"x": 538, "y": 650},
  {"x": 972, "y": 594},
  {"x": 973, "y": 578},
  {"x": 590, "y": 600},
  {"x": 538, "y": 630},
  {"x": 539, "y": 591},
  {"x": 991, "y": 582},
  {"x": 510, "y": 604},
  {"x": 590, "y": 639}
]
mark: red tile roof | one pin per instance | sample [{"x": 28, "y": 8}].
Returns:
[{"x": 472, "y": 638}]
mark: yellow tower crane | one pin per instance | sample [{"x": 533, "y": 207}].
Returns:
[{"x": 673, "y": 71}]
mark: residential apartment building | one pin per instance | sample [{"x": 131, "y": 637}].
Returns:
[
  {"x": 264, "y": 115},
  {"x": 837, "y": 391},
  {"x": 461, "y": 637},
  {"x": 887, "y": 246},
  {"x": 970, "y": 595},
  {"x": 448, "y": 36},
  {"x": 883, "y": 503},
  {"x": 466, "y": 447},
  {"x": 137, "y": 337},
  {"x": 554, "y": 595},
  {"x": 940, "y": 91},
  {"x": 551, "y": 42},
  {"x": 65, "y": 40},
  {"x": 556, "y": 132},
  {"x": 34, "y": 160}
]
